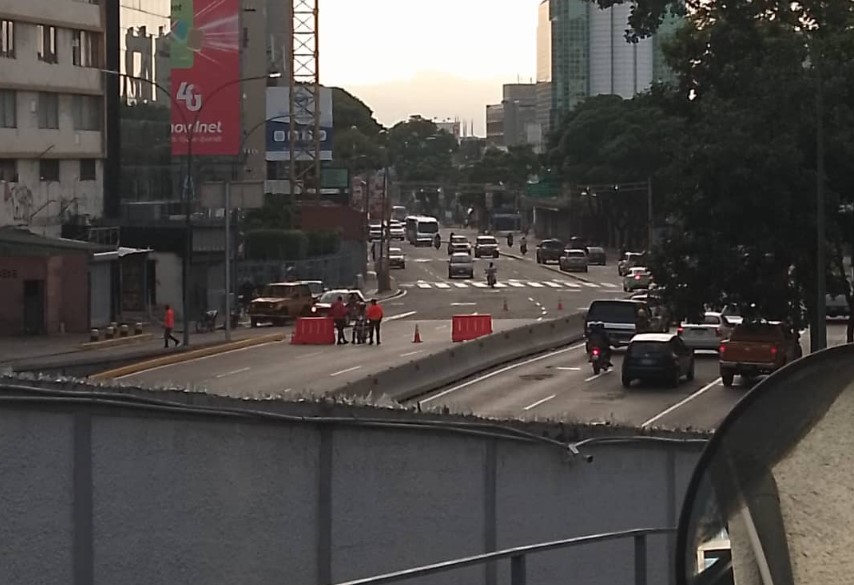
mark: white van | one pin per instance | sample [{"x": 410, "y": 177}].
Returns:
[{"x": 420, "y": 230}]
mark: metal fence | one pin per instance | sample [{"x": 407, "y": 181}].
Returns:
[
  {"x": 336, "y": 270},
  {"x": 518, "y": 558}
]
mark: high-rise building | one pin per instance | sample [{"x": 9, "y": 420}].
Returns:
[
  {"x": 590, "y": 54},
  {"x": 520, "y": 114},
  {"x": 544, "y": 70},
  {"x": 495, "y": 125},
  {"x": 52, "y": 135}
]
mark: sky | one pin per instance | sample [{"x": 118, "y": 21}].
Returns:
[{"x": 436, "y": 58}]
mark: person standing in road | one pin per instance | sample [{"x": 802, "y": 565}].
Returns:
[
  {"x": 168, "y": 326},
  {"x": 338, "y": 312},
  {"x": 375, "y": 318}
]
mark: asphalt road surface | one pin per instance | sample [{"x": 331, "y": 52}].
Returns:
[{"x": 561, "y": 386}]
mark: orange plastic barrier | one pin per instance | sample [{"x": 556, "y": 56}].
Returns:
[
  {"x": 467, "y": 327},
  {"x": 314, "y": 331}
]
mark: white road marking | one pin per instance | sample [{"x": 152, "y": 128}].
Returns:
[
  {"x": 463, "y": 304},
  {"x": 286, "y": 390},
  {"x": 198, "y": 359},
  {"x": 353, "y": 369},
  {"x": 591, "y": 378},
  {"x": 407, "y": 285},
  {"x": 591, "y": 285},
  {"x": 400, "y": 316},
  {"x": 411, "y": 353},
  {"x": 515, "y": 284},
  {"x": 536, "y": 285},
  {"x": 568, "y": 369},
  {"x": 539, "y": 402},
  {"x": 569, "y": 284},
  {"x": 312, "y": 354},
  {"x": 608, "y": 285},
  {"x": 443, "y": 285},
  {"x": 552, "y": 284},
  {"x": 682, "y": 403},
  {"x": 500, "y": 371},
  {"x": 539, "y": 318},
  {"x": 531, "y": 299},
  {"x": 424, "y": 285},
  {"x": 500, "y": 285},
  {"x": 460, "y": 285},
  {"x": 234, "y": 372},
  {"x": 479, "y": 285}
]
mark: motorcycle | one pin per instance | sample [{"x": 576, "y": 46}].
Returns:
[
  {"x": 509, "y": 240},
  {"x": 208, "y": 322},
  {"x": 599, "y": 361},
  {"x": 523, "y": 248},
  {"x": 490, "y": 278},
  {"x": 437, "y": 242}
]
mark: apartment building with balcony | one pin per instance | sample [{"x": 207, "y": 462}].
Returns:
[{"x": 52, "y": 113}]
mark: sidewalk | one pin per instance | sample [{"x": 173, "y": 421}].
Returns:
[{"x": 371, "y": 290}]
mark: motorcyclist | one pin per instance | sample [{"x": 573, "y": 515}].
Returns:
[
  {"x": 451, "y": 243},
  {"x": 597, "y": 337},
  {"x": 642, "y": 325},
  {"x": 523, "y": 245},
  {"x": 510, "y": 240},
  {"x": 437, "y": 241},
  {"x": 491, "y": 272}
]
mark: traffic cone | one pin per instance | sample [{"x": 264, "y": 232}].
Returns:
[
  {"x": 417, "y": 338},
  {"x": 560, "y": 304},
  {"x": 505, "y": 309}
]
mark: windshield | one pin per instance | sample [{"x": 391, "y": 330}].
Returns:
[
  {"x": 641, "y": 348},
  {"x": 332, "y": 296},
  {"x": 576, "y": 254},
  {"x": 553, "y": 245},
  {"x": 428, "y": 227},
  {"x": 461, "y": 259},
  {"x": 612, "y": 312},
  {"x": 279, "y": 291},
  {"x": 486, "y": 240}
]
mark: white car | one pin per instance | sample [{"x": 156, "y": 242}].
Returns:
[
  {"x": 732, "y": 314},
  {"x": 636, "y": 279},
  {"x": 709, "y": 334},
  {"x": 396, "y": 231}
]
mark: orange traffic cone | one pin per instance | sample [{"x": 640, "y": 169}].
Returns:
[
  {"x": 417, "y": 338},
  {"x": 560, "y": 304},
  {"x": 505, "y": 309}
]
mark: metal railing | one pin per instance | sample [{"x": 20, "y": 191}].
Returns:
[{"x": 518, "y": 558}]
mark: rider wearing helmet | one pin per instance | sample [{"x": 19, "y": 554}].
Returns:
[{"x": 597, "y": 336}]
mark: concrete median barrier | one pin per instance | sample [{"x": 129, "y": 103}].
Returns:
[
  {"x": 421, "y": 376},
  {"x": 177, "y": 358}
]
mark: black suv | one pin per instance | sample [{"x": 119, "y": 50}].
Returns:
[
  {"x": 549, "y": 251},
  {"x": 657, "y": 356}
]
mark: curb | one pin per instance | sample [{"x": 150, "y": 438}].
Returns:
[
  {"x": 561, "y": 272},
  {"x": 117, "y": 342},
  {"x": 185, "y": 356}
]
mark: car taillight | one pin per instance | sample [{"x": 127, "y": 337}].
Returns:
[
  {"x": 774, "y": 351},
  {"x": 680, "y": 331},
  {"x": 637, "y": 277},
  {"x": 595, "y": 352},
  {"x": 722, "y": 348}
]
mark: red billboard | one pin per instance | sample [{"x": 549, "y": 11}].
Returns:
[{"x": 205, "y": 58}]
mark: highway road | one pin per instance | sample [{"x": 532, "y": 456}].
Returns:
[{"x": 560, "y": 385}]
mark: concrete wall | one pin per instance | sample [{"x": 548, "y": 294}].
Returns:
[
  {"x": 118, "y": 496},
  {"x": 168, "y": 286}
]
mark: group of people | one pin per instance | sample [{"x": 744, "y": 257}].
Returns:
[{"x": 366, "y": 320}]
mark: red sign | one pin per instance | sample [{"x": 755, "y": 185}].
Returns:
[{"x": 205, "y": 57}]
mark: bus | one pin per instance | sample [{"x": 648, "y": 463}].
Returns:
[
  {"x": 420, "y": 230},
  {"x": 398, "y": 213}
]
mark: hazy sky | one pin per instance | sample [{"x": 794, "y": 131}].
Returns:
[{"x": 388, "y": 42}]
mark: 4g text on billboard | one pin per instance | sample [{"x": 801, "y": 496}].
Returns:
[{"x": 205, "y": 72}]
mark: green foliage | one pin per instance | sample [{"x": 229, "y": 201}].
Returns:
[
  {"x": 323, "y": 243},
  {"x": 512, "y": 167},
  {"x": 349, "y": 111},
  {"x": 277, "y": 213},
  {"x": 420, "y": 151},
  {"x": 276, "y": 244}
]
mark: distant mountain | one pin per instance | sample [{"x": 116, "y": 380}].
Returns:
[{"x": 432, "y": 95}]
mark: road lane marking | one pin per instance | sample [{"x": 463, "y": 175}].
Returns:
[
  {"x": 401, "y": 316},
  {"x": 479, "y": 284},
  {"x": 568, "y": 369},
  {"x": 411, "y": 353},
  {"x": 539, "y": 402},
  {"x": 234, "y": 372},
  {"x": 591, "y": 378},
  {"x": 539, "y": 318},
  {"x": 443, "y": 285},
  {"x": 500, "y": 285},
  {"x": 461, "y": 285},
  {"x": 198, "y": 359},
  {"x": 531, "y": 299},
  {"x": 569, "y": 284},
  {"x": 681, "y": 403},
  {"x": 608, "y": 285},
  {"x": 501, "y": 371},
  {"x": 552, "y": 284},
  {"x": 516, "y": 284},
  {"x": 348, "y": 370},
  {"x": 536, "y": 285},
  {"x": 591, "y": 285},
  {"x": 310, "y": 355},
  {"x": 463, "y": 304},
  {"x": 424, "y": 285}
]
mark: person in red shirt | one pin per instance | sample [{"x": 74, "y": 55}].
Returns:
[
  {"x": 375, "y": 318},
  {"x": 339, "y": 312},
  {"x": 168, "y": 326}
]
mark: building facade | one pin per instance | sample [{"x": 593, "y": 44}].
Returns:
[
  {"x": 495, "y": 125},
  {"x": 544, "y": 71},
  {"x": 52, "y": 113},
  {"x": 590, "y": 55},
  {"x": 520, "y": 115}
]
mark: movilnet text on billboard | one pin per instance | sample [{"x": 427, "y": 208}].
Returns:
[
  {"x": 280, "y": 131},
  {"x": 205, "y": 58}
]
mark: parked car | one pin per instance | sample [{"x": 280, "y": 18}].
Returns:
[
  {"x": 459, "y": 244},
  {"x": 629, "y": 261},
  {"x": 486, "y": 246},
  {"x": 461, "y": 264},
  {"x": 549, "y": 251},
  {"x": 396, "y": 258},
  {"x": 316, "y": 286},
  {"x": 322, "y": 307},
  {"x": 596, "y": 255},
  {"x": 280, "y": 302},
  {"x": 708, "y": 334},
  {"x": 657, "y": 356},
  {"x": 573, "y": 261},
  {"x": 757, "y": 348},
  {"x": 637, "y": 278}
]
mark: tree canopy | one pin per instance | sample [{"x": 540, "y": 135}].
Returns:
[{"x": 420, "y": 151}]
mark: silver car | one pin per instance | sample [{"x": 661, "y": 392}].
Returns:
[
  {"x": 706, "y": 335},
  {"x": 637, "y": 278},
  {"x": 574, "y": 261},
  {"x": 461, "y": 264}
]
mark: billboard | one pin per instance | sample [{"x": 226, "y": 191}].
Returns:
[
  {"x": 205, "y": 60},
  {"x": 279, "y": 131}
]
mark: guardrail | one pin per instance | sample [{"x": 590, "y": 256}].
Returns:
[{"x": 518, "y": 558}]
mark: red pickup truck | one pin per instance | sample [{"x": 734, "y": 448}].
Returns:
[{"x": 757, "y": 348}]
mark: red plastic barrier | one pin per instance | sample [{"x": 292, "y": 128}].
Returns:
[
  {"x": 467, "y": 327},
  {"x": 314, "y": 331}
]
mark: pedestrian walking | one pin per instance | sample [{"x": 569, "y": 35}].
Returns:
[
  {"x": 374, "y": 251},
  {"x": 168, "y": 326},
  {"x": 338, "y": 312},
  {"x": 375, "y": 318}
]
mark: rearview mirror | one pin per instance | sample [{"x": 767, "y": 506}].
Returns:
[{"x": 771, "y": 499}]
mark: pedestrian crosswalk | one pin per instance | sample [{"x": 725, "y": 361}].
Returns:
[{"x": 541, "y": 284}]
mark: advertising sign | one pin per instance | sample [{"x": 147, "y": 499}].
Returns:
[
  {"x": 205, "y": 58},
  {"x": 281, "y": 129}
]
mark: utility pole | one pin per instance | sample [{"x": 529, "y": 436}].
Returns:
[
  {"x": 818, "y": 338},
  {"x": 228, "y": 260},
  {"x": 383, "y": 281},
  {"x": 650, "y": 221}
]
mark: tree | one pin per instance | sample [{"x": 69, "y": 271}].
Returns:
[
  {"x": 358, "y": 140},
  {"x": 420, "y": 151},
  {"x": 512, "y": 167}
]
